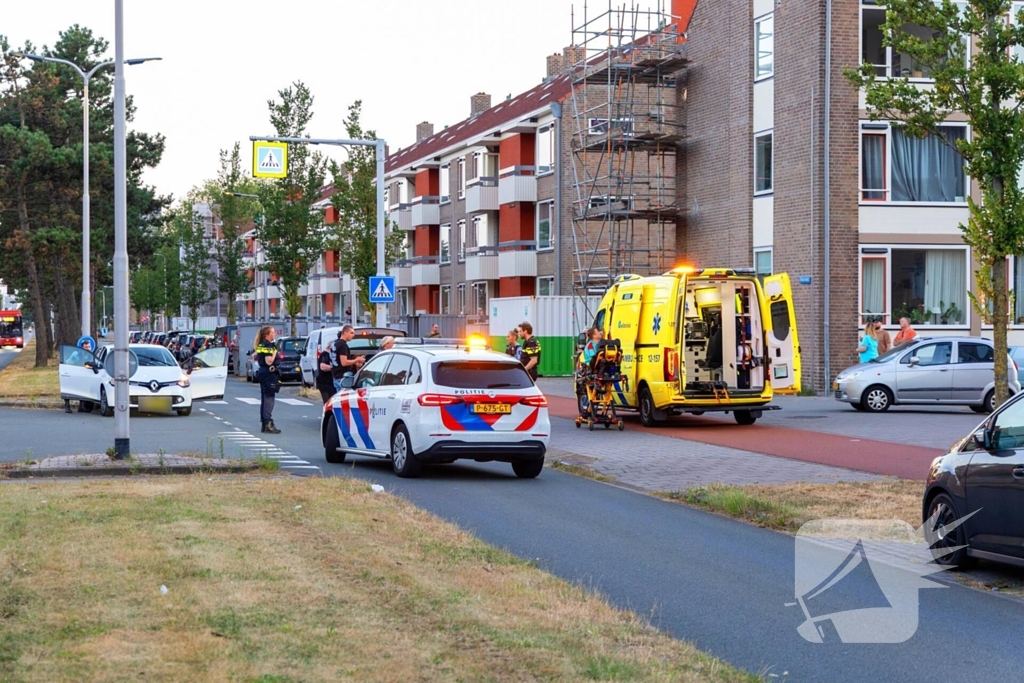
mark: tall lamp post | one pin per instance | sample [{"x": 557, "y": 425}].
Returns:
[
  {"x": 86, "y": 76},
  {"x": 266, "y": 275}
]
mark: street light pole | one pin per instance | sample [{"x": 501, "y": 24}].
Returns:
[
  {"x": 122, "y": 448},
  {"x": 86, "y": 77}
]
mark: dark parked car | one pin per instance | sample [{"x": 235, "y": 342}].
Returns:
[
  {"x": 291, "y": 349},
  {"x": 980, "y": 485}
]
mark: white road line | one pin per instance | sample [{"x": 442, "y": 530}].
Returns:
[
  {"x": 293, "y": 402},
  {"x": 215, "y": 403},
  {"x": 250, "y": 401},
  {"x": 301, "y": 467}
]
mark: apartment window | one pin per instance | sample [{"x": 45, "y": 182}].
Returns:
[
  {"x": 485, "y": 165},
  {"x": 462, "y": 241},
  {"x": 407, "y": 245},
  {"x": 764, "y": 46},
  {"x": 462, "y": 299},
  {"x": 763, "y": 163},
  {"x": 900, "y": 168},
  {"x": 620, "y": 126},
  {"x": 545, "y": 149},
  {"x": 446, "y": 240},
  {"x": 446, "y": 183},
  {"x": 481, "y": 232},
  {"x": 544, "y": 225},
  {"x": 480, "y": 298},
  {"x": 403, "y": 302},
  {"x": 928, "y": 285},
  {"x": 461, "y": 172},
  {"x": 885, "y": 61},
  {"x": 763, "y": 263},
  {"x": 545, "y": 286},
  {"x": 446, "y": 300}
]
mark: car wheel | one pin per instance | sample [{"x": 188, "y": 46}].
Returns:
[
  {"x": 87, "y": 406},
  {"x": 989, "y": 404},
  {"x": 941, "y": 539},
  {"x": 528, "y": 469},
  {"x": 184, "y": 412},
  {"x": 744, "y": 417},
  {"x": 403, "y": 460},
  {"x": 248, "y": 375},
  {"x": 332, "y": 443},
  {"x": 106, "y": 410},
  {"x": 876, "y": 399},
  {"x": 647, "y": 410}
]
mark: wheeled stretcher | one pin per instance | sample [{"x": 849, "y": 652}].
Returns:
[{"x": 598, "y": 379}]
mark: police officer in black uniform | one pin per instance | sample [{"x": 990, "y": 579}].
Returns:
[
  {"x": 531, "y": 350},
  {"x": 267, "y": 359}
]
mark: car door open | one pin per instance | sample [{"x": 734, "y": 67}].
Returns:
[
  {"x": 78, "y": 371},
  {"x": 209, "y": 373}
]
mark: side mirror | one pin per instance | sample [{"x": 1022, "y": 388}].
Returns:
[
  {"x": 914, "y": 360},
  {"x": 94, "y": 367},
  {"x": 983, "y": 438},
  {"x": 581, "y": 340},
  {"x": 347, "y": 382}
]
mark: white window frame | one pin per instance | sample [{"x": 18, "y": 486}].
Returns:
[
  {"x": 876, "y": 252},
  {"x": 445, "y": 240},
  {"x": 771, "y": 188},
  {"x": 771, "y": 255},
  {"x": 550, "y": 280},
  {"x": 445, "y": 183},
  {"x": 546, "y": 132},
  {"x": 550, "y": 204},
  {"x": 462, "y": 239},
  {"x": 403, "y": 301},
  {"x": 770, "y": 73},
  {"x": 444, "y": 294},
  {"x": 873, "y": 128},
  {"x": 599, "y": 126},
  {"x": 462, "y": 177},
  {"x": 880, "y": 7},
  {"x": 462, "y": 298},
  {"x": 487, "y": 296},
  {"x": 486, "y": 231}
]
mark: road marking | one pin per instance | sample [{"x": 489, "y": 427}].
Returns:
[
  {"x": 301, "y": 467},
  {"x": 215, "y": 403},
  {"x": 293, "y": 402},
  {"x": 250, "y": 401}
]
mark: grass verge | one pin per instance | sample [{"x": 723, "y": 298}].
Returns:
[
  {"x": 21, "y": 381},
  {"x": 787, "y": 507},
  {"x": 286, "y": 580}
]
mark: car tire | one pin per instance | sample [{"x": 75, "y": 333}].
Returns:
[
  {"x": 583, "y": 404},
  {"x": 184, "y": 412},
  {"x": 744, "y": 417},
  {"x": 332, "y": 443},
  {"x": 648, "y": 418},
  {"x": 940, "y": 541},
  {"x": 403, "y": 460},
  {"x": 106, "y": 410},
  {"x": 989, "y": 404},
  {"x": 528, "y": 469},
  {"x": 248, "y": 375},
  {"x": 88, "y": 406},
  {"x": 876, "y": 399}
]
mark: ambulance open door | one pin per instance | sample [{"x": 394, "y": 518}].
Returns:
[{"x": 780, "y": 330}]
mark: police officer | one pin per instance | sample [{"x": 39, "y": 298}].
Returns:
[
  {"x": 343, "y": 362},
  {"x": 324, "y": 380},
  {"x": 531, "y": 349},
  {"x": 267, "y": 360}
]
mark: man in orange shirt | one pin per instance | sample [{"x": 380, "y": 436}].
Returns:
[{"x": 905, "y": 334}]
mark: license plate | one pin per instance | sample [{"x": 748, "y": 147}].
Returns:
[
  {"x": 492, "y": 408},
  {"x": 154, "y": 404}
]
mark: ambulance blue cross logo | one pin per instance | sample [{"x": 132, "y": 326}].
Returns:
[
  {"x": 382, "y": 289},
  {"x": 657, "y": 323}
]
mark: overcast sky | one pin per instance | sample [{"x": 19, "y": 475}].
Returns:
[{"x": 407, "y": 60}]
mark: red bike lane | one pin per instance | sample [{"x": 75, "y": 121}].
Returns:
[{"x": 837, "y": 450}]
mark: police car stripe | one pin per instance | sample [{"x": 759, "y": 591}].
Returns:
[
  {"x": 360, "y": 417},
  {"x": 341, "y": 418}
]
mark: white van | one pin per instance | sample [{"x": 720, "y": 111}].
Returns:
[{"x": 365, "y": 343}]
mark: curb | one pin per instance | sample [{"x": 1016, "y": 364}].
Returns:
[
  {"x": 22, "y": 473},
  {"x": 45, "y": 405}
]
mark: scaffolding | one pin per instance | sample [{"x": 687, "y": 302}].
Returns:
[{"x": 627, "y": 132}]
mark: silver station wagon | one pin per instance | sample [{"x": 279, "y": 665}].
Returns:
[{"x": 926, "y": 371}]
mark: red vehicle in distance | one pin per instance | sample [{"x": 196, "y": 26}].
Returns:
[{"x": 11, "y": 333}]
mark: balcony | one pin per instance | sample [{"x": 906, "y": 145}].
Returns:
[
  {"x": 482, "y": 195},
  {"x": 517, "y": 259},
  {"x": 401, "y": 217},
  {"x": 425, "y": 271},
  {"x": 426, "y": 211},
  {"x": 517, "y": 184},
  {"x": 403, "y": 273},
  {"x": 481, "y": 263}
]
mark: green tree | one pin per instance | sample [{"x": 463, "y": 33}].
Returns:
[
  {"x": 355, "y": 199},
  {"x": 189, "y": 228},
  {"x": 986, "y": 89},
  {"x": 145, "y": 291},
  {"x": 235, "y": 213},
  {"x": 291, "y": 231}
]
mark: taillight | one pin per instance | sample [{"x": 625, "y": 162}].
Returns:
[
  {"x": 535, "y": 401},
  {"x": 671, "y": 361},
  {"x": 438, "y": 400}
]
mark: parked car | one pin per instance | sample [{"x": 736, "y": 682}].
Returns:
[
  {"x": 973, "y": 503},
  {"x": 436, "y": 405},
  {"x": 1017, "y": 354},
  {"x": 365, "y": 343},
  {"x": 224, "y": 336},
  {"x": 926, "y": 371},
  {"x": 291, "y": 349}
]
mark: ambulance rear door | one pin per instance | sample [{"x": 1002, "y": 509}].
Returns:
[
  {"x": 783, "y": 345},
  {"x": 624, "y": 326}
]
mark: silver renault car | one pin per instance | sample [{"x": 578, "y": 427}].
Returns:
[{"x": 926, "y": 371}]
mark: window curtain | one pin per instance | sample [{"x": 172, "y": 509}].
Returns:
[
  {"x": 1018, "y": 281},
  {"x": 945, "y": 274},
  {"x": 927, "y": 169},
  {"x": 873, "y": 165},
  {"x": 874, "y": 286}
]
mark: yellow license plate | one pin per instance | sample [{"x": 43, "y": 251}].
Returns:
[
  {"x": 492, "y": 408},
  {"x": 154, "y": 404}
]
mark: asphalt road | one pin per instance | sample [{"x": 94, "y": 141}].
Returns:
[
  {"x": 719, "y": 583},
  {"x": 6, "y": 356}
]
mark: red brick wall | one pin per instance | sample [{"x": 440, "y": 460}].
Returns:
[
  {"x": 428, "y": 183},
  {"x": 517, "y": 286},
  {"x": 427, "y": 241},
  {"x": 516, "y": 222},
  {"x": 518, "y": 150},
  {"x": 426, "y": 298}
]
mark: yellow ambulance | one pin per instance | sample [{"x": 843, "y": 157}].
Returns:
[{"x": 701, "y": 340}]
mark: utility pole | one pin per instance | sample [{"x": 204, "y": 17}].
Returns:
[{"x": 121, "y": 366}]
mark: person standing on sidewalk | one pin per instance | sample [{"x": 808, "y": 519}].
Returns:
[
  {"x": 267, "y": 360},
  {"x": 435, "y": 332},
  {"x": 882, "y": 337},
  {"x": 342, "y": 361},
  {"x": 868, "y": 348},
  {"x": 324, "y": 378},
  {"x": 531, "y": 350},
  {"x": 906, "y": 332},
  {"x": 512, "y": 347}
]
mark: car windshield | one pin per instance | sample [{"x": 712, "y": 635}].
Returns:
[
  {"x": 481, "y": 375},
  {"x": 294, "y": 345},
  {"x": 892, "y": 353},
  {"x": 364, "y": 344},
  {"x": 154, "y": 357}
]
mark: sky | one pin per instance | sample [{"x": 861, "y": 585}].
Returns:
[{"x": 407, "y": 60}]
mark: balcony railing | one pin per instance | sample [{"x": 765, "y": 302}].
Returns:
[
  {"x": 517, "y": 259},
  {"x": 517, "y": 184},
  {"x": 481, "y": 263},
  {"x": 426, "y": 211},
  {"x": 482, "y": 195},
  {"x": 401, "y": 216},
  {"x": 403, "y": 273}
]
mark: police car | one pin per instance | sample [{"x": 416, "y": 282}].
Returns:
[{"x": 438, "y": 404}]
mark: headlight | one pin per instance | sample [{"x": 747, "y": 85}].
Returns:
[
  {"x": 845, "y": 377},
  {"x": 184, "y": 381}
]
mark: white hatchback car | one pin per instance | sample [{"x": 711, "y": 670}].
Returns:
[
  {"x": 156, "y": 382},
  {"x": 419, "y": 405}
]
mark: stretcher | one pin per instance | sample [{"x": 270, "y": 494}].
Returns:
[{"x": 597, "y": 380}]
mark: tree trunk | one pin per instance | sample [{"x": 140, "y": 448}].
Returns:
[
  {"x": 294, "y": 329},
  {"x": 1000, "y": 301},
  {"x": 39, "y": 312}
]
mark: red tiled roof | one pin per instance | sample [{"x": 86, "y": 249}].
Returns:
[{"x": 508, "y": 111}]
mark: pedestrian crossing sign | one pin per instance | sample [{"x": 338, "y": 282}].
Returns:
[
  {"x": 269, "y": 159},
  {"x": 382, "y": 289}
]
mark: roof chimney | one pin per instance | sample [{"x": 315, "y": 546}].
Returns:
[
  {"x": 479, "y": 103},
  {"x": 423, "y": 131},
  {"x": 571, "y": 55},
  {"x": 556, "y": 65}
]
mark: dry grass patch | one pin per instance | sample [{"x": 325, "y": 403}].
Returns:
[
  {"x": 786, "y": 507},
  {"x": 310, "y": 393},
  {"x": 282, "y": 579},
  {"x": 21, "y": 381}
]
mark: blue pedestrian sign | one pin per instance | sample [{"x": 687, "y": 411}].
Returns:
[{"x": 382, "y": 289}]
